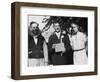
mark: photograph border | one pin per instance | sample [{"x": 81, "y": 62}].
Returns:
[{"x": 15, "y": 39}]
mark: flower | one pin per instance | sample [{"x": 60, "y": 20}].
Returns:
[
  {"x": 63, "y": 32},
  {"x": 62, "y": 36}
]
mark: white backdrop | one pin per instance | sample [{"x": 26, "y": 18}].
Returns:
[{"x": 5, "y": 40}]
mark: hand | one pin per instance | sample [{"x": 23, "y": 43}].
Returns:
[
  {"x": 29, "y": 52},
  {"x": 63, "y": 50},
  {"x": 53, "y": 46}
]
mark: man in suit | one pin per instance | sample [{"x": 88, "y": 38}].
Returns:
[
  {"x": 37, "y": 49},
  {"x": 59, "y": 47}
]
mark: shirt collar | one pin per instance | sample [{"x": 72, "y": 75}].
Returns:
[{"x": 58, "y": 34}]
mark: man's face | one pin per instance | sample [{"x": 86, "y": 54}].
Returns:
[
  {"x": 34, "y": 28},
  {"x": 74, "y": 27},
  {"x": 57, "y": 27}
]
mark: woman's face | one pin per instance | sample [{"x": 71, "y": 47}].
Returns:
[{"x": 74, "y": 27}]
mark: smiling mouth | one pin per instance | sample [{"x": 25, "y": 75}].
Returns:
[{"x": 58, "y": 30}]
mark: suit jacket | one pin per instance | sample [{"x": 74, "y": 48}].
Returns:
[
  {"x": 53, "y": 39},
  {"x": 35, "y": 51}
]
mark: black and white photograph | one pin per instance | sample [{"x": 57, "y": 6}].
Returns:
[
  {"x": 57, "y": 40},
  {"x": 50, "y": 40}
]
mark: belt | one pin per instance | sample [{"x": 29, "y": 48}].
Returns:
[
  {"x": 59, "y": 53},
  {"x": 79, "y": 50}
]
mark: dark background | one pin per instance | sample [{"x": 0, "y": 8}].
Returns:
[{"x": 66, "y": 21}]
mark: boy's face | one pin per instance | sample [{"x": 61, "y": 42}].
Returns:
[
  {"x": 74, "y": 27},
  {"x": 57, "y": 27}
]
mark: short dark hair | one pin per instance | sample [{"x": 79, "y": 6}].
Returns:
[
  {"x": 57, "y": 23},
  {"x": 75, "y": 22},
  {"x": 33, "y": 23}
]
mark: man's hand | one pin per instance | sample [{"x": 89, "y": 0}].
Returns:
[
  {"x": 29, "y": 52},
  {"x": 63, "y": 50},
  {"x": 53, "y": 46}
]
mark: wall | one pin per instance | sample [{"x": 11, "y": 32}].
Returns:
[{"x": 5, "y": 40}]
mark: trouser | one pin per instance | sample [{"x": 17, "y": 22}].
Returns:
[
  {"x": 59, "y": 60},
  {"x": 33, "y": 62}
]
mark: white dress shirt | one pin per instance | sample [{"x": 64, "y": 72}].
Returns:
[
  {"x": 58, "y": 34},
  {"x": 35, "y": 39}
]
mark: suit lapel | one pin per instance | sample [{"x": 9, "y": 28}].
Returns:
[{"x": 56, "y": 39}]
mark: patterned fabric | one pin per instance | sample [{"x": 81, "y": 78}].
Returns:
[
  {"x": 80, "y": 57},
  {"x": 78, "y": 42}
]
